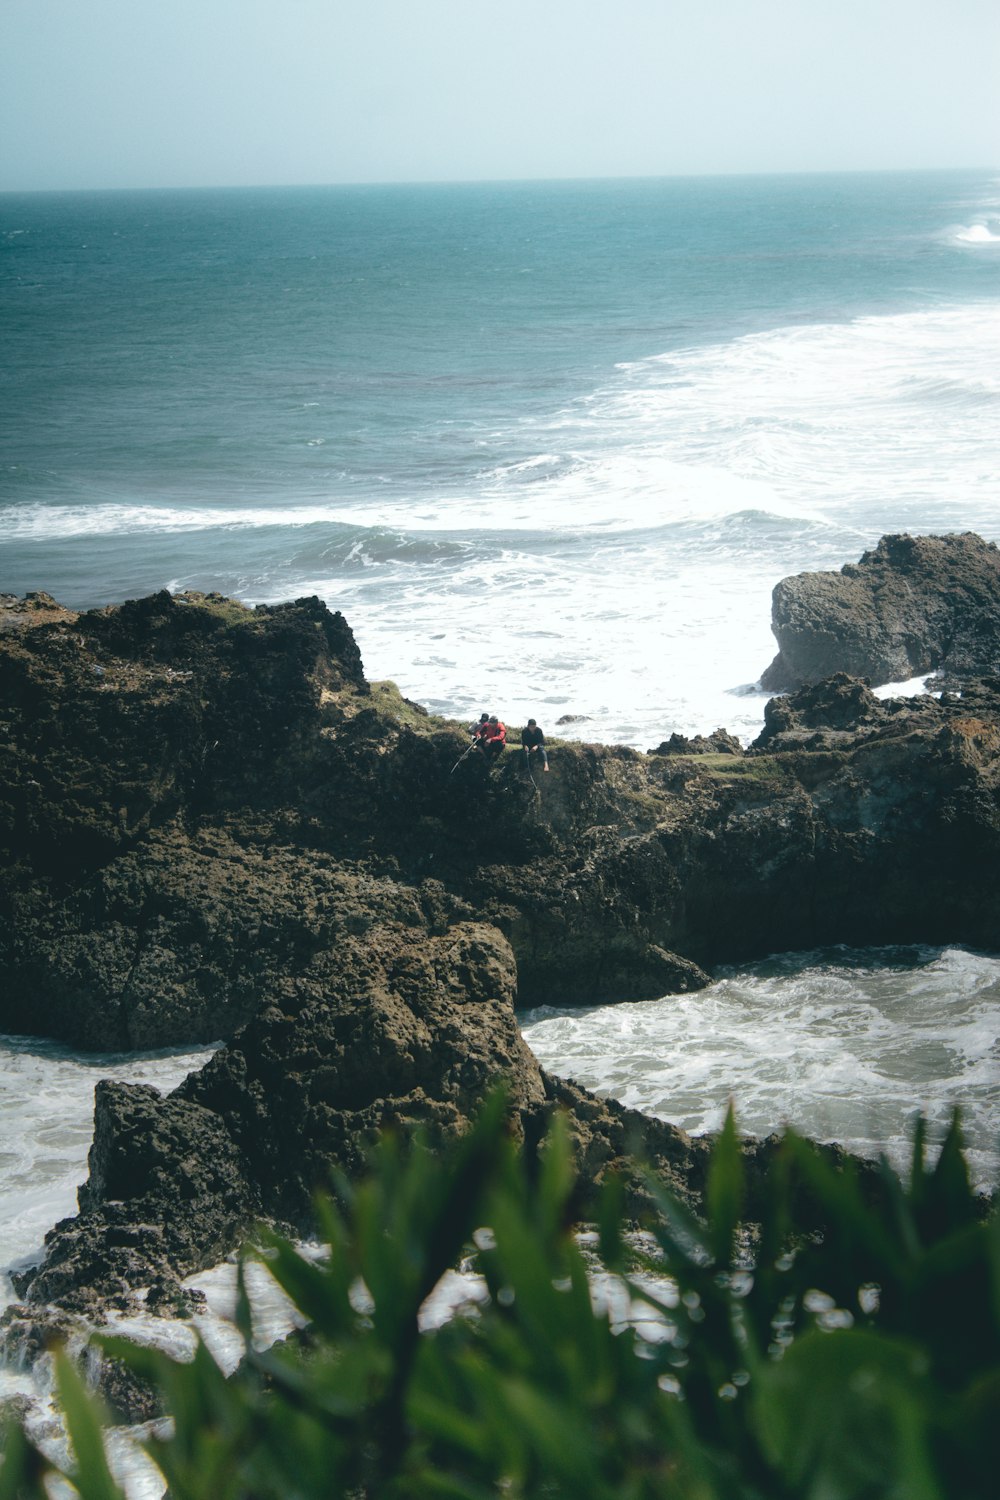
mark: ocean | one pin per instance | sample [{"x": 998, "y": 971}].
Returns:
[{"x": 548, "y": 447}]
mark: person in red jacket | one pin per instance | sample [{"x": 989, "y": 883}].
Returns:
[{"x": 493, "y": 742}]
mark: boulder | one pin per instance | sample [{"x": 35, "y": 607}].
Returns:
[
  {"x": 412, "y": 1032},
  {"x": 914, "y": 605}
]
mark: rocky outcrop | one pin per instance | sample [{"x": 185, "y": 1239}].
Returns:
[
  {"x": 213, "y": 828},
  {"x": 163, "y": 878},
  {"x": 412, "y": 1033},
  {"x": 411, "y": 1036},
  {"x": 198, "y": 800},
  {"x": 33, "y": 609},
  {"x": 167, "y": 1194},
  {"x": 720, "y": 742},
  {"x": 914, "y": 605}
]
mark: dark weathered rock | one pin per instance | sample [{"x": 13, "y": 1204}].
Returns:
[
  {"x": 117, "y": 721},
  {"x": 128, "y": 1396},
  {"x": 914, "y": 605},
  {"x": 27, "y": 1332},
  {"x": 609, "y": 1138},
  {"x": 14, "y": 1410},
  {"x": 167, "y": 1195},
  {"x": 33, "y": 609},
  {"x": 238, "y": 877},
  {"x": 184, "y": 939},
  {"x": 212, "y": 828},
  {"x": 412, "y": 1036},
  {"x": 413, "y": 1033},
  {"x": 721, "y": 742}
]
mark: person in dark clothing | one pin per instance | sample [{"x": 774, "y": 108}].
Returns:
[
  {"x": 493, "y": 742},
  {"x": 533, "y": 747},
  {"x": 478, "y": 731}
]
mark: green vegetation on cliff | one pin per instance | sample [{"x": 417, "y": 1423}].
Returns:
[{"x": 860, "y": 1364}]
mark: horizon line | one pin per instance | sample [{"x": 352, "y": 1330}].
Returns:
[{"x": 427, "y": 182}]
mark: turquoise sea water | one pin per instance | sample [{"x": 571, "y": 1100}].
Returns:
[{"x": 549, "y": 446}]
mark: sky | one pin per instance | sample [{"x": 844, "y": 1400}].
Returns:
[{"x": 191, "y": 93}]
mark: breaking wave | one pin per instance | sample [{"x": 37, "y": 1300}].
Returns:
[{"x": 978, "y": 234}]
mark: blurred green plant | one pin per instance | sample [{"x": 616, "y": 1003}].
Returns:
[{"x": 718, "y": 1363}]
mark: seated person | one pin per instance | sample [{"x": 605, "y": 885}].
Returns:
[
  {"x": 533, "y": 746},
  {"x": 493, "y": 741}
]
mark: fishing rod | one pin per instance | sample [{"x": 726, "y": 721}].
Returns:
[{"x": 465, "y": 753}]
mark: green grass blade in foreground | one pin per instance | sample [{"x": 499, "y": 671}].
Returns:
[
  {"x": 724, "y": 1191},
  {"x": 90, "y": 1475},
  {"x": 22, "y": 1467}
]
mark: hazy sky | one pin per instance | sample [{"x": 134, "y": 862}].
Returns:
[{"x": 136, "y": 93}]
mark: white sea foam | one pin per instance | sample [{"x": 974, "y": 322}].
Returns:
[
  {"x": 867, "y": 418},
  {"x": 728, "y": 466},
  {"x": 618, "y": 564},
  {"x": 53, "y": 522},
  {"x": 845, "y": 1048},
  {"x": 841, "y": 418},
  {"x": 913, "y": 687},
  {"x": 978, "y": 234},
  {"x": 628, "y": 492}
]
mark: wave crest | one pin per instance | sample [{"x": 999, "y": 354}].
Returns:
[{"x": 977, "y": 234}]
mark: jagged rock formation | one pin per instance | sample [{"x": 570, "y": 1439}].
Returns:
[
  {"x": 913, "y": 605},
  {"x": 411, "y": 1035},
  {"x": 212, "y": 827},
  {"x": 720, "y": 742}
]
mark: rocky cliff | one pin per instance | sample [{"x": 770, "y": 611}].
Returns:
[
  {"x": 914, "y": 605},
  {"x": 214, "y": 828}
]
